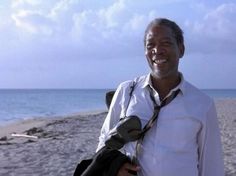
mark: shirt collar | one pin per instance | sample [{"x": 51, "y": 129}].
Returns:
[{"x": 147, "y": 82}]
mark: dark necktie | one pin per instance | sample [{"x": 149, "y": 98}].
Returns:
[{"x": 154, "y": 118}]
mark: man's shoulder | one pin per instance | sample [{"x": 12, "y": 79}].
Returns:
[
  {"x": 196, "y": 94},
  {"x": 137, "y": 80}
]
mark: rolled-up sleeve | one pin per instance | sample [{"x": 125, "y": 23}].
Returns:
[{"x": 210, "y": 148}]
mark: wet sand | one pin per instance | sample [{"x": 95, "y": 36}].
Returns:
[{"x": 55, "y": 146}]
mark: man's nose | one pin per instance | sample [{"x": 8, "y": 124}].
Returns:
[
  {"x": 154, "y": 51},
  {"x": 157, "y": 51}
]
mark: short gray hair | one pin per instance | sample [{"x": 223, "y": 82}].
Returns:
[{"x": 177, "y": 31}]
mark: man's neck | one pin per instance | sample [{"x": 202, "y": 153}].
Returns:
[{"x": 164, "y": 85}]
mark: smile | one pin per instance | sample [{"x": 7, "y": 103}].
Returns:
[{"x": 159, "y": 61}]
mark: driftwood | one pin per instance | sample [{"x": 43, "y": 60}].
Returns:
[{"x": 23, "y": 135}]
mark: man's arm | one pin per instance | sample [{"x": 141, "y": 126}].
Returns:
[
  {"x": 112, "y": 117},
  {"x": 115, "y": 112},
  {"x": 210, "y": 148}
]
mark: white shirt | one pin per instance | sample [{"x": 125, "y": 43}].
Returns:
[{"x": 184, "y": 141}]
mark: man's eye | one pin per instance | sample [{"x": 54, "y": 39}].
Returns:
[
  {"x": 167, "y": 43},
  {"x": 149, "y": 46}
]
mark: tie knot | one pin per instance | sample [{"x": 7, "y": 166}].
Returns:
[{"x": 168, "y": 99}]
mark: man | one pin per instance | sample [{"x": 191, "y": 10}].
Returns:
[{"x": 185, "y": 138}]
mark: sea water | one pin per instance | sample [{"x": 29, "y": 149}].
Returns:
[
  {"x": 220, "y": 93},
  {"x": 27, "y": 103}
]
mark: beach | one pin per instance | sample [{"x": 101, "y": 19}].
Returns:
[{"x": 54, "y": 146}]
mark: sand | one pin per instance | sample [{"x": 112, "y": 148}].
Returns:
[{"x": 54, "y": 146}]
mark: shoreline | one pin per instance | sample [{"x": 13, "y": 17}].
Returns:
[
  {"x": 25, "y": 123},
  {"x": 59, "y": 145},
  {"x": 62, "y": 141},
  {"x": 21, "y": 125}
]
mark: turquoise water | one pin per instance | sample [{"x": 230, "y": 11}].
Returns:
[{"x": 19, "y": 104}]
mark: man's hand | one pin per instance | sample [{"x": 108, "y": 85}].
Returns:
[{"x": 124, "y": 170}]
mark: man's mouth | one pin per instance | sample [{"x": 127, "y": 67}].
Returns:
[{"x": 159, "y": 61}]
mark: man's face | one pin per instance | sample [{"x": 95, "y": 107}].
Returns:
[{"x": 162, "y": 52}]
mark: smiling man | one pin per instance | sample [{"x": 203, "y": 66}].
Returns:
[{"x": 180, "y": 130}]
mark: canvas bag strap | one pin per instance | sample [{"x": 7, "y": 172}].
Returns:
[{"x": 133, "y": 84}]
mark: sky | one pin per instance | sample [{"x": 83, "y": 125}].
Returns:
[{"x": 99, "y": 43}]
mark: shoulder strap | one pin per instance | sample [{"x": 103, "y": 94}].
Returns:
[{"x": 134, "y": 83}]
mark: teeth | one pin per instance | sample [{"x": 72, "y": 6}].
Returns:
[{"x": 159, "y": 61}]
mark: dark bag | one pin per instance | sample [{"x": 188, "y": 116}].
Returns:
[
  {"x": 127, "y": 130},
  {"x": 82, "y": 166},
  {"x": 106, "y": 162}
]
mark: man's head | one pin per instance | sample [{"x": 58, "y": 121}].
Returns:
[
  {"x": 164, "y": 46},
  {"x": 177, "y": 31}
]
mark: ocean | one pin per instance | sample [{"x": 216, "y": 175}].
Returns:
[
  {"x": 29, "y": 103},
  {"x": 18, "y": 104}
]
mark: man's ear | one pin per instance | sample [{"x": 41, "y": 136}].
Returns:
[{"x": 181, "y": 50}]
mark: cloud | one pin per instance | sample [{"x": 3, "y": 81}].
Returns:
[
  {"x": 76, "y": 20},
  {"x": 17, "y": 3},
  {"x": 32, "y": 22},
  {"x": 75, "y": 24},
  {"x": 76, "y": 36},
  {"x": 219, "y": 22},
  {"x": 76, "y": 30},
  {"x": 114, "y": 28},
  {"x": 214, "y": 31}
]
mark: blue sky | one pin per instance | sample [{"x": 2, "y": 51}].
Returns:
[{"x": 99, "y": 43}]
